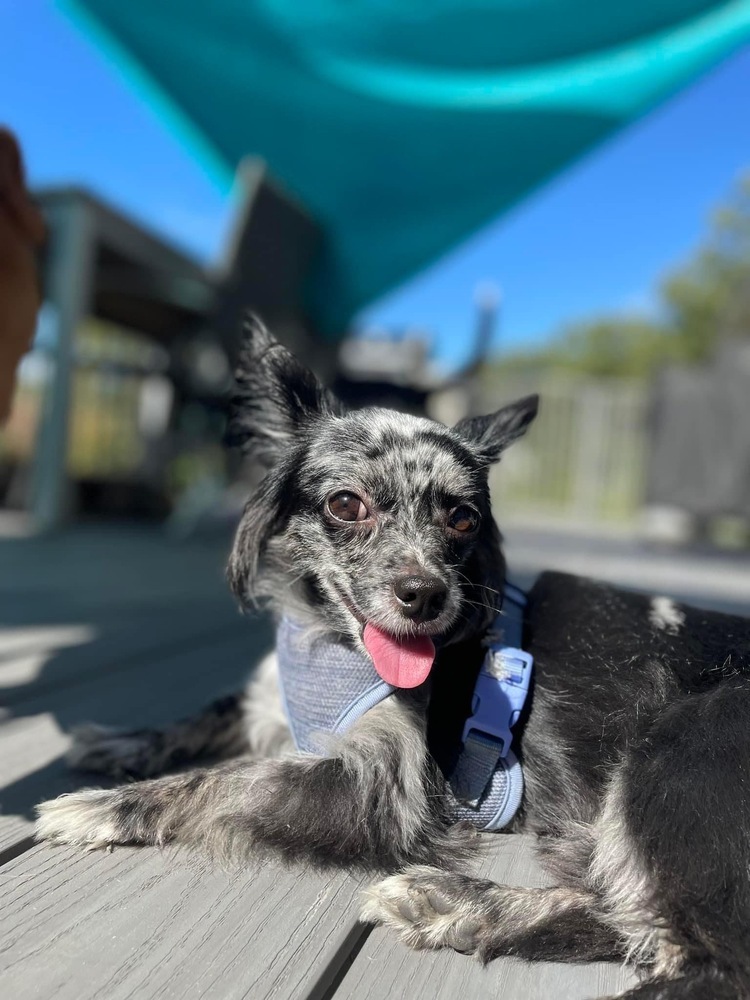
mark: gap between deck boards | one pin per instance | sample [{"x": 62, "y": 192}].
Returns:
[{"x": 14, "y": 850}]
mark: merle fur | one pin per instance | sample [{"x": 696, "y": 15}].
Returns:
[{"x": 635, "y": 743}]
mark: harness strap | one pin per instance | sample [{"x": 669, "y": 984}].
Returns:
[
  {"x": 487, "y": 780},
  {"x": 477, "y": 762}
]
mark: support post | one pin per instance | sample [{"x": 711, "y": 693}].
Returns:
[{"x": 68, "y": 291}]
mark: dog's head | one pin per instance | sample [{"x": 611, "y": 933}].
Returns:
[{"x": 374, "y": 524}]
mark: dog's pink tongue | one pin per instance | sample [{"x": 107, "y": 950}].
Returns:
[{"x": 403, "y": 663}]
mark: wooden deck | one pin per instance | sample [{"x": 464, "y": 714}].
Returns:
[{"x": 123, "y": 627}]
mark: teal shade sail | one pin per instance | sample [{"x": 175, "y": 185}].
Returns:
[{"x": 404, "y": 125}]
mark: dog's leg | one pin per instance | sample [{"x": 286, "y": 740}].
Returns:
[
  {"x": 249, "y": 723},
  {"x": 436, "y": 909},
  {"x": 218, "y": 730},
  {"x": 376, "y": 804}
]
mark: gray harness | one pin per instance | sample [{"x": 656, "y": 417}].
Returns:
[{"x": 326, "y": 687}]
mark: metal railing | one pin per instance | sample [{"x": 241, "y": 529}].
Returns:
[{"x": 584, "y": 459}]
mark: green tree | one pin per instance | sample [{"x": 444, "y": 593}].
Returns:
[
  {"x": 709, "y": 298},
  {"x": 703, "y": 301}
]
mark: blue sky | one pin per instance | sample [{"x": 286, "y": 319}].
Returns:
[{"x": 597, "y": 239}]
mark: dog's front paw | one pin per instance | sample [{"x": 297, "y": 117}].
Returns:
[
  {"x": 114, "y": 752},
  {"x": 88, "y": 819},
  {"x": 432, "y": 908}
]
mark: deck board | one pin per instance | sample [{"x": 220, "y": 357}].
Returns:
[
  {"x": 141, "y": 924},
  {"x": 384, "y": 968}
]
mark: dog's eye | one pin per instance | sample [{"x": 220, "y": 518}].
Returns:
[
  {"x": 463, "y": 519},
  {"x": 347, "y": 507}
]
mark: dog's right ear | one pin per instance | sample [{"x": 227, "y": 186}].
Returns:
[{"x": 274, "y": 398}]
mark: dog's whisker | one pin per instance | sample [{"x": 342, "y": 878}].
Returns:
[{"x": 476, "y": 584}]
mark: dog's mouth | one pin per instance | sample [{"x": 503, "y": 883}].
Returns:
[{"x": 403, "y": 661}]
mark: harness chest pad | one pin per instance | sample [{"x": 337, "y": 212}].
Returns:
[{"x": 325, "y": 686}]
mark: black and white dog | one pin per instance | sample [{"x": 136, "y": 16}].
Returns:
[{"x": 374, "y": 529}]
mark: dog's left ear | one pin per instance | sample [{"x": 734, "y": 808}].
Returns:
[
  {"x": 489, "y": 436},
  {"x": 275, "y": 396}
]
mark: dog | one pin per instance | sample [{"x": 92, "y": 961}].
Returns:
[{"x": 635, "y": 741}]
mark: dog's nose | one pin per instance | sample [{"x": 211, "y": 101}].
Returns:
[{"x": 421, "y": 598}]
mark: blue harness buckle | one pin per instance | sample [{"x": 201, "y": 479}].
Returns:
[{"x": 499, "y": 695}]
